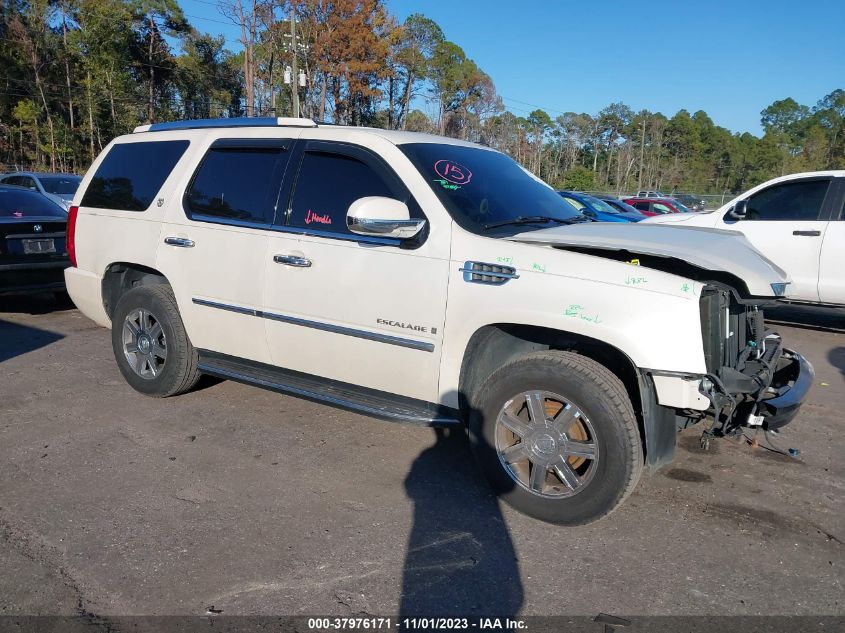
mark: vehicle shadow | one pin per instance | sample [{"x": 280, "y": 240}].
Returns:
[
  {"x": 17, "y": 339},
  {"x": 822, "y": 319},
  {"x": 460, "y": 559},
  {"x": 836, "y": 357},
  {"x": 38, "y": 303}
]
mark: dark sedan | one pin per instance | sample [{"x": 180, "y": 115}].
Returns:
[{"x": 33, "y": 253}]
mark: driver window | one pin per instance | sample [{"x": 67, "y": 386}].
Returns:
[
  {"x": 325, "y": 187},
  {"x": 788, "y": 201}
]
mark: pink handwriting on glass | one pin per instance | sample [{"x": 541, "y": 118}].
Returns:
[
  {"x": 453, "y": 172},
  {"x": 319, "y": 218}
]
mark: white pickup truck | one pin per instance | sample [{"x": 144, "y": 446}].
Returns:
[
  {"x": 431, "y": 281},
  {"x": 798, "y": 222}
]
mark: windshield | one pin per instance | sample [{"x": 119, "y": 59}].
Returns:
[
  {"x": 481, "y": 187},
  {"x": 60, "y": 185},
  {"x": 27, "y": 204},
  {"x": 599, "y": 205}
]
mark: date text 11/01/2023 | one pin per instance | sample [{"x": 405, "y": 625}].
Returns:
[{"x": 419, "y": 623}]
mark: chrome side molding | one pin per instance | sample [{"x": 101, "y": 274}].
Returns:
[{"x": 378, "y": 337}]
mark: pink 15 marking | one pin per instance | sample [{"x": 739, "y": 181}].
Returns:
[{"x": 454, "y": 172}]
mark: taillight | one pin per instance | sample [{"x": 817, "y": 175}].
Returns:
[{"x": 70, "y": 236}]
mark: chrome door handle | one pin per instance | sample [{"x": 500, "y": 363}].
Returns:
[
  {"x": 807, "y": 233},
  {"x": 183, "y": 242},
  {"x": 292, "y": 260}
]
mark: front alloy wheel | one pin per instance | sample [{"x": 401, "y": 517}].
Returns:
[
  {"x": 546, "y": 444},
  {"x": 557, "y": 437}
]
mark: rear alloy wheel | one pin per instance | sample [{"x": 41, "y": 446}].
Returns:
[
  {"x": 144, "y": 343},
  {"x": 557, "y": 438},
  {"x": 150, "y": 344}
]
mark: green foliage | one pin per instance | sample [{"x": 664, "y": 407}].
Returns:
[
  {"x": 77, "y": 73},
  {"x": 579, "y": 179}
]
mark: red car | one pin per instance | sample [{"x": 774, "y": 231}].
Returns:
[{"x": 655, "y": 206}]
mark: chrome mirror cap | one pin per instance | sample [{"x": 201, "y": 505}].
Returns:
[{"x": 382, "y": 217}]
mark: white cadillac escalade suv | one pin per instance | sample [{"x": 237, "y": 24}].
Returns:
[{"x": 431, "y": 281}]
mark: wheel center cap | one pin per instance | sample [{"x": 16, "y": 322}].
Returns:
[
  {"x": 545, "y": 444},
  {"x": 144, "y": 343}
]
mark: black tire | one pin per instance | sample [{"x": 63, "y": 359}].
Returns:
[
  {"x": 601, "y": 398},
  {"x": 178, "y": 371}
]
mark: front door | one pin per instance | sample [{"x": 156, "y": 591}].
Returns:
[
  {"x": 357, "y": 309},
  {"x": 787, "y": 223}
]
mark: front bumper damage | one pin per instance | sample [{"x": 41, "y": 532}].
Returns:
[
  {"x": 790, "y": 385},
  {"x": 752, "y": 379}
]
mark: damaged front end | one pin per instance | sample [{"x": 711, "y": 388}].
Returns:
[{"x": 752, "y": 380}]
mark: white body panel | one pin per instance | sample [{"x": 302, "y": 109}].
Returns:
[
  {"x": 353, "y": 293},
  {"x": 810, "y": 251},
  {"x": 832, "y": 263}
]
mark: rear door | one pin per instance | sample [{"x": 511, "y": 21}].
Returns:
[
  {"x": 832, "y": 259},
  {"x": 787, "y": 223},
  {"x": 212, "y": 249}
]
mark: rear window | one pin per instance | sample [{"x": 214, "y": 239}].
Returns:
[
  {"x": 20, "y": 203},
  {"x": 60, "y": 185},
  {"x": 131, "y": 175}
]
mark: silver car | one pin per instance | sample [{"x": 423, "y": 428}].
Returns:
[{"x": 58, "y": 187}]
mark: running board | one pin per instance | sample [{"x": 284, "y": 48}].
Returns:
[{"x": 378, "y": 404}]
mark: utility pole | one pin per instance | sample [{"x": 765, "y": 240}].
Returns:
[{"x": 295, "y": 74}]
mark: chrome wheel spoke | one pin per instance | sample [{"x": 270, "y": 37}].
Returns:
[
  {"x": 159, "y": 351},
  {"x": 140, "y": 363},
  {"x": 156, "y": 331},
  {"x": 151, "y": 362},
  {"x": 514, "y": 424},
  {"x": 563, "y": 420},
  {"x": 515, "y": 453},
  {"x": 131, "y": 347},
  {"x": 129, "y": 324},
  {"x": 574, "y": 448},
  {"x": 536, "y": 407},
  {"x": 537, "y": 479},
  {"x": 566, "y": 475}
]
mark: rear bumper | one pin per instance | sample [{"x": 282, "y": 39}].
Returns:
[
  {"x": 791, "y": 382},
  {"x": 86, "y": 292},
  {"x": 32, "y": 277}
]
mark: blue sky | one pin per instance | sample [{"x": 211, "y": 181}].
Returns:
[{"x": 730, "y": 59}]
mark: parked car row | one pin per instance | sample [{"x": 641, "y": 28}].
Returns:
[
  {"x": 610, "y": 209},
  {"x": 57, "y": 187},
  {"x": 33, "y": 254}
]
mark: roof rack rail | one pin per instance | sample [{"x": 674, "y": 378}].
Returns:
[{"x": 226, "y": 122}]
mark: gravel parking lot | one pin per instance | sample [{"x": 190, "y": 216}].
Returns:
[{"x": 257, "y": 503}]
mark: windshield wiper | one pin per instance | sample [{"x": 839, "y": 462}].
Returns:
[{"x": 532, "y": 219}]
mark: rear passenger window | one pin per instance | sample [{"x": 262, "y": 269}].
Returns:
[
  {"x": 131, "y": 175},
  {"x": 325, "y": 187},
  {"x": 237, "y": 183},
  {"x": 788, "y": 201}
]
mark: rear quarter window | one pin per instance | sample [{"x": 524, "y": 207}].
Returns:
[{"x": 132, "y": 174}]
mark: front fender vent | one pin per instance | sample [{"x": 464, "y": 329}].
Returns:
[{"x": 482, "y": 273}]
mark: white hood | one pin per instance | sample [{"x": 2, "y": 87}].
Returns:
[{"x": 711, "y": 249}]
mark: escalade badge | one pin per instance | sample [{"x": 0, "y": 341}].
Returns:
[{"x": 406, "y": 326}]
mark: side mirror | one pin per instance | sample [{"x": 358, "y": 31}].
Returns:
[
  {"x": 589, "y": 213},
  {"x": 382, "y": 217},
  {"x": 740, "y": 210}
]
